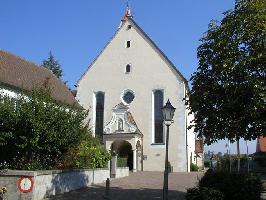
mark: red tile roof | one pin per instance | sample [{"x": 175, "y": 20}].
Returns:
[
  {"x": 198, "y": 146},
  {"x": 215, "y": 157},
  {"x": 22, "y": 74},
  {"x": 261, "y": 144}
]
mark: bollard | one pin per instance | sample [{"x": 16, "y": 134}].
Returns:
[{"x": 107, "y": 188}]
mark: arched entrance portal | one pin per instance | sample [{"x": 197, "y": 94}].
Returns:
[{"x": 124, "y": 151}]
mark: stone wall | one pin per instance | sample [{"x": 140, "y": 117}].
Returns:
[
  {"x": 52, "y": 182},
  {"x": 122, "y": 172}
]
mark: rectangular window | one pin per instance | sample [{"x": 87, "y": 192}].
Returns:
[
  {"x": 128, "y": 68},
  {"x": 128, "y": 44},
  {"x": 99, "y": 115},
  {"x": 158, "y": 117}
]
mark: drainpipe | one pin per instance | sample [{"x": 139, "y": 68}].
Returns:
[
  {"x": 142, "y": 153},
  {"x": 186, "y": 129},
  {"x": 186, "y": 143}
]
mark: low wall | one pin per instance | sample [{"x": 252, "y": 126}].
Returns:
[
  {"x": 52, "y": 182},
  {"x": 121, "y": 172}
]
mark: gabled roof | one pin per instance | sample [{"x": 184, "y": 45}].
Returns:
[
  {"x": 214, "y": 157},
  {"x": 198, "y": 146},
  {"x": 16, "y": 72},
  {"x": 158, "y": 50},
  {"x": 161, "y": 54}
]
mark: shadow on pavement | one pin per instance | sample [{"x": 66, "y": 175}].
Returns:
[{"x": 115, "y": 193}]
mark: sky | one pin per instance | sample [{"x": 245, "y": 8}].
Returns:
[{"x": 77, "y": 30}]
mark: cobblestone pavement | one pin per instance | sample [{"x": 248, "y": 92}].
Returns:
[{"x": 138, "y": 186}]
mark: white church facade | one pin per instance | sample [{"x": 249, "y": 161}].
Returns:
[{"x": 125, "y": 88}]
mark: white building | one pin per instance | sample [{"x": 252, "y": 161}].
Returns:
[{"x": 125, "y": 88}]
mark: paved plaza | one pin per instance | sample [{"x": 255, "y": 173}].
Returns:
[{"x": 138, "y": 186}]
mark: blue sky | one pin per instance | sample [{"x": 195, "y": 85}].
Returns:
[{"x": 77, "y": 30}]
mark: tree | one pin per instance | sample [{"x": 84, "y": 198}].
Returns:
[
  {"x": 35, "y": 132},
  {"x": 52, "y": 64},
  {"x": 228, "y": 89}
]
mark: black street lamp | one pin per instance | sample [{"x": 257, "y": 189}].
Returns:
[{"x": 168, "y": 114}]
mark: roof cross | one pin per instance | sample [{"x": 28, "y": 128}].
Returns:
[{"x": 128, "y": 12}]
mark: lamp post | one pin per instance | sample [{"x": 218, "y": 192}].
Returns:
[{"x": 168, "y": 114}]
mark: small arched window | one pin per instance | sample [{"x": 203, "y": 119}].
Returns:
[{"x": 128, "y": 68}]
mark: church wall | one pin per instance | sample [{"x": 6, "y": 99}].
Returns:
[
  {"x": 190, "y": 140},
  {"x": 149, "y": 72}
]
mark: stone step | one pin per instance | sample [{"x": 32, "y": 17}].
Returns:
[
  {"x": 263, "y": 196},
  {"x": 264, "y": 185}
]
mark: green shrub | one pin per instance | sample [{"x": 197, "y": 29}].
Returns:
[
  {"x": 206, "y": 163},
  {"x": 203, "y": 194},
  {"x": 36, "y": 132},
  {"x": 224, "y": 163},
  {"x": 193, "y": 167},
  {"x": 260, "y": 158},
  {"x": 233, "y": 186},
  {"x": 211, "y": 194},
  {"x": 87, "y": 154},
  {"x": 121, "y": 162},
  {"x": 193, "y": 194}
]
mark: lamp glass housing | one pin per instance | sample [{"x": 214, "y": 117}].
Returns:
[{"x": 168, "y": 112}]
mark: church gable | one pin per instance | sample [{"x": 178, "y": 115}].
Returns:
[
  {"x": 132, "y": 73},
  {"x": 157, "y": 50},
  {"x": 126, "y": 35}
]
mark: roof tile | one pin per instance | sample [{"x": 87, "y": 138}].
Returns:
[
  {"x": 198, "y": 146},
  {"x": 20, "y": 73}
]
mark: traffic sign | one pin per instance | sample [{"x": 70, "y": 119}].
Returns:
[{"x": 25, "y": 184}]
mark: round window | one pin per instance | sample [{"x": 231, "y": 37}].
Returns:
[{"x": 128, "y": 97}]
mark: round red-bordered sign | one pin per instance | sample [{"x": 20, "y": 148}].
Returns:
[{"x": 25, "y": 184}]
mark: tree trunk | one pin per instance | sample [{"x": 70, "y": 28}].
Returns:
[
  {"x": 238, "y": 157},
  {"x": 247, "y": 156},
  {"x": 229, "y": 156}
]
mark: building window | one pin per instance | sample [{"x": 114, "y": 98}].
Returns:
[
  {"x": 158, "y": 117},
  {"x": 128, "y": 68},
  {"x": 128, "y": 97},
  {"x": 99, "y": 115},
  {"x": 129, "y": 27},
  {"x": 128, "y": 44}
]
